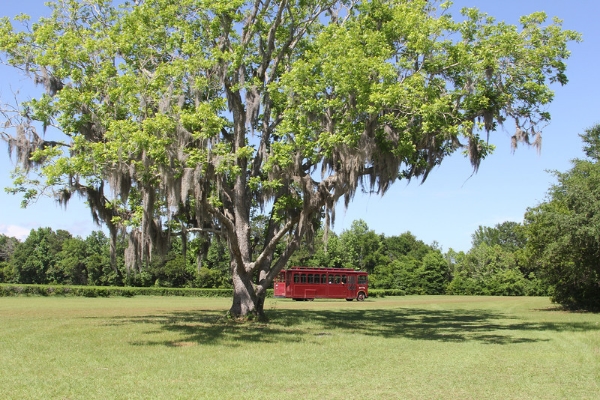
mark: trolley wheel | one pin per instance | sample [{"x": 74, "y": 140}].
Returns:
[
  {"x": 360, "y": 297},
  {"x": 309, "y": 299},
  {"x": 349, "y": 299}
]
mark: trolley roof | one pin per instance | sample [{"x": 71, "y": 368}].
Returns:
[{"x": 321, "y": 269}]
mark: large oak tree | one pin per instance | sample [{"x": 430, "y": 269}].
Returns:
[{"x": 183, "y": 116}]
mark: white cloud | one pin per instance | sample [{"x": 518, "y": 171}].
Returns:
[{"x": 15, "y": 231}]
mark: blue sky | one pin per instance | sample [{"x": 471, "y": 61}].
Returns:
[{"x": 453, "y": 202}]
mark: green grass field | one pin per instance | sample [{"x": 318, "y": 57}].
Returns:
[{"x": 413, "y": 347}]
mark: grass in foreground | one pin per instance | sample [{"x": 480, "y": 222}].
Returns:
[{"x": 403, "y": 347}]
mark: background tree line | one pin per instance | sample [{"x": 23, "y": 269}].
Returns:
[
  {"x": 495, "y": 265},
  {"x": 56, "y": 257}
]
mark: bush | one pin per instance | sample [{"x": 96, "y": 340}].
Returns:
[
  {"x": 507, "y": 283},
  {"x": 6, "y": 272},
  {"x": 386, "y": 292},
  {"x": 463, "y": 285},
  {"x": 536, "y": 287}
]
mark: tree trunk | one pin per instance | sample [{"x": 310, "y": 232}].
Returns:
[{"x": 246, "y": 303}]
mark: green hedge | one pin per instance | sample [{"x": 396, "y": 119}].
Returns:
[
  {"x": 113, "y": 291},
  {"x": 386, "y": 292},
  {"x": 110, "y": 291}
]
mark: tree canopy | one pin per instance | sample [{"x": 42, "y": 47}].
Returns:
[{"x": 235, "y": 117}]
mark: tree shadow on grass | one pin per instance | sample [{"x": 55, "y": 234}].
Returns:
[{"x": 484, "y": 326}]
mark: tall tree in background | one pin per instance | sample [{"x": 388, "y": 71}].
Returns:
[
  {"x": 180, "y": 116},
  {"x": 564, "y": 231},
  {"x": 509, "y": 235},
  {"x": 35, "y": 259},
  {"x": 361, "y": 246},
  {"x": 8, "y": 245}
]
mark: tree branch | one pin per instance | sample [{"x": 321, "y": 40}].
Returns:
[{"x": 270, "y": 247}]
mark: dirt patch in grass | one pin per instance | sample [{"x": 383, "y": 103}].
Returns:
[{"x": 184, "y": 344}]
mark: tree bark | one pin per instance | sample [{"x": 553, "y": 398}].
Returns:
[{"x": 246, "y": 303}]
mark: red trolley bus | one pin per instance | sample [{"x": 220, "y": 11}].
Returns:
[{"x": 305, "y": 283}]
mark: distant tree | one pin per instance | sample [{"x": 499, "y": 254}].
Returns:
[
  {"x": 509, "y": 235},
  {"x": 97, "y": 261},
  {"x": 434, "y": 273},
  {"x": 564, "y": 230},
  {"x": 321, "y": 252},
  {"x": 400, "y": 273},
  {"x": 487, "y": 270},
  {"x": 34, "y": 260},
  {"x": 406, "y": 244},
  {"x": 405, "y": 275},
  {"x": 177, "y": 272},
  {"x": 218, "y": 266},
  {"x": 70, "y": 264},
  {"x": 498, "y": 263},
  {"x": 409, "y": 264},
  {"x": 428, "y": 275},
  {"x": 187, "y": 114},
  {"x": 361, "y": 246},
  {"x": 8, "y": 245},
  {"x": 399, "y": 263}
]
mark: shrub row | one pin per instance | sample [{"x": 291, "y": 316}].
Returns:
[
  {"x": 114, "y": 291},
  {"x": 386, "y": 292},
  {"x": 110, "y": 291}
]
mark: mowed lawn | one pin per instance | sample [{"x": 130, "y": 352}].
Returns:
[{"x": 413, "y": 347}]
